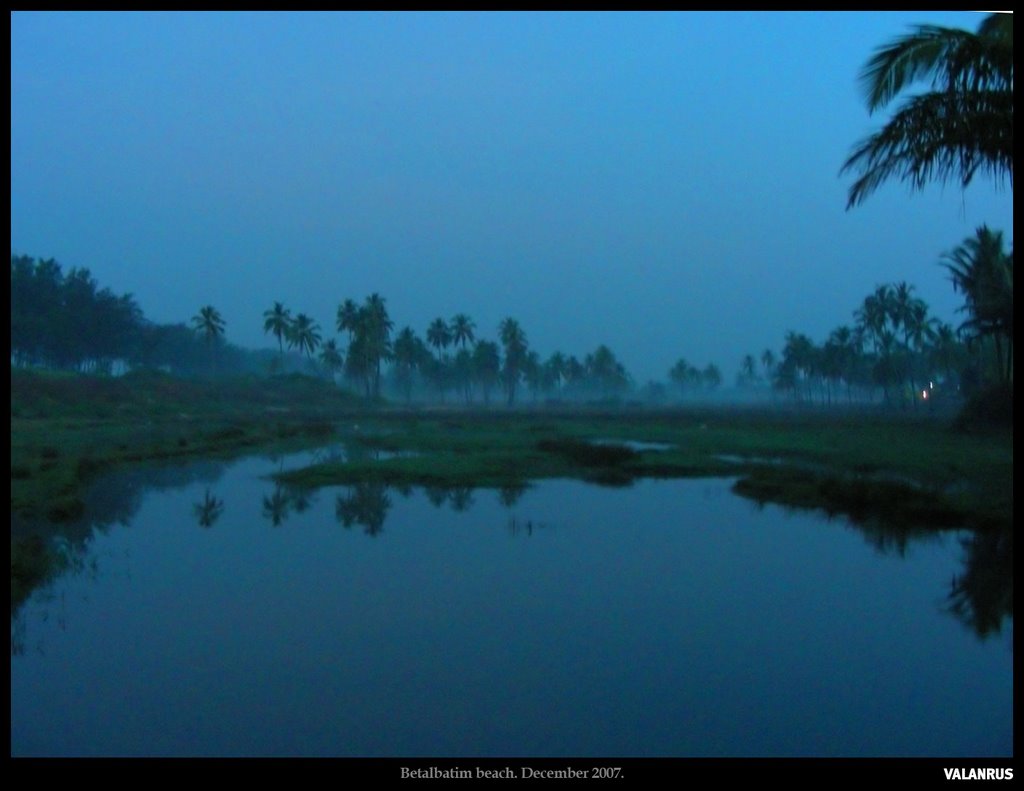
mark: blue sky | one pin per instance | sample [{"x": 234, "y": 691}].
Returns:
[{"x": 664, "y": 183}]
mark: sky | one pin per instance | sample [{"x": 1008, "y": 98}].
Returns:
[{"x": 666, "y": 184}]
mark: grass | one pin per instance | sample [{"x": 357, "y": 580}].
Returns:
[
  {"x": 67, "y": 428},
  {"x": 889, "y": 468},
  {"x": 901, "y": 470}
]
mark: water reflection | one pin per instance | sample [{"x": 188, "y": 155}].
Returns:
[
  {"x": 63, "y": 558},
  {"x": 526, "y": 527},
  {"x": 980, "y": 594},
  {"x": 208, "y": 511},
  {"x": 365, "y": 504},
  {"x": 437, "y": 495},
  {"x": 459, "y": 498},
  {"x": 626, "y": 622},
  {"x": 275, "y": 507},
  {"x": 41, "y": 550},
  {"x": 509, "y": 494},
  {"x": 301, "y": 498}
]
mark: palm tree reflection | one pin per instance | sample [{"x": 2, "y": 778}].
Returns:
[
  {"x": 461, "y": 498},
  {"x": 209, "y": 510},
  {"x": 982, "y": 596},
  {"x": 301, "y": 498},
  {"x": 438, "y": 495},
  {"x": 275, "y": 507},
  {"x": 366, "y": 504},
  {"x": 510, "y": 493}
]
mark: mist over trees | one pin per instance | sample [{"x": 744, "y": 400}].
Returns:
[
  {"x": 65, "y": 321},
  {"x": 893, "y": 352}
]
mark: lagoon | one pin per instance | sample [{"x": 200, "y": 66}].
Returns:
[{"x": 210, "y": 612}]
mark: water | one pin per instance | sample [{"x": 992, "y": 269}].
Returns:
[
  {"x": 636, "y": 445},
  {"x": 217, "y": 614}
]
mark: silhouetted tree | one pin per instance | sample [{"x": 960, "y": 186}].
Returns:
[
  {"x": 278, "y": 320},
  {"x": 210, "y": 325},
  {"x": 964, "y": 124},
  {"x": 982, "y": 271}
]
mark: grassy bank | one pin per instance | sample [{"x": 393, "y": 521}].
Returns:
[
  {"x": 897, "y": 468},
  {"x": 67, "y": 428},
  {"x": 901, "y": 470}
]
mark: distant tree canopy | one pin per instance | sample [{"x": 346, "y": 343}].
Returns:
[
  {"x": 894, "y": 345},
  {"x": 66, "y": 321}
]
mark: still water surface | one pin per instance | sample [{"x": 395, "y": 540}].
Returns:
[{"x": 216, "y": 614}]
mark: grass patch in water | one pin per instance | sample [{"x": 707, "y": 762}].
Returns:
[
  {"x": 155, "y": 416},
  {"x": 860, "y": 499},
  {"x": 587, "y": 454}
]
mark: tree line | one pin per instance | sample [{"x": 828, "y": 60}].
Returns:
[
  {"x": 448, "y": 359},
  {"x": 896, "y": 347},
  {"x": 64, "y": 320}
]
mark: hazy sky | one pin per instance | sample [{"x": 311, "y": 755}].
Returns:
[{"x": 664, "y": 183}]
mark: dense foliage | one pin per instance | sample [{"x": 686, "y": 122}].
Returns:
[{"x": 64, "y": 320}]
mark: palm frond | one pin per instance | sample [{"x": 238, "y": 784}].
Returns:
[
  {"x": 940, "y": 137},
  {"x": 917, "y": 55},
  {"x": 951, "y": 58}
]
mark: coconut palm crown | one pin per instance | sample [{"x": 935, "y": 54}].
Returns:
[{"x": 963, "y": 125}]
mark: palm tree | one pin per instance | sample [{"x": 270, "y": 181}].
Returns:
[
  {"x": 711, "y": 376},
  {"x": 439, "y": 335},
  {"x": 377, "y": 325},
  {"x": 486, "y": 366},
  {"x": 963, "y": 125},
  {"x": 209, "y": 323},
  {"x": 574, "y": 374},
  {"x": 331, "y": 358},
  {"x": 606, "y": 373},
  {"x": 983, "y": 271},
  {"x": 462, "y": 327},
  {"x": 878, "y": 319},
  {"x": 680, "y": 375},
  {"x": 874, "y": 314},
  {"x": 408, "y": 353},
  {"x": 556, "y": 367},
  {"x": 798, "y": 356},
  {"x": 904, "y": 308},
  {"x": 844, "y": 347},
  {"x": 748, "y": 369},
  {"x": 348, "y": 318},
  {"x": 514, "y": 340},
  {"x": 277, "y": 320},
  {"x": 462, "y": 373},
  {"x": 369, "y": 329},
  {"x": 533, "y": 373},
  {"x": 304, "y": 335},
  {"x": 945, "y": 351}
]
